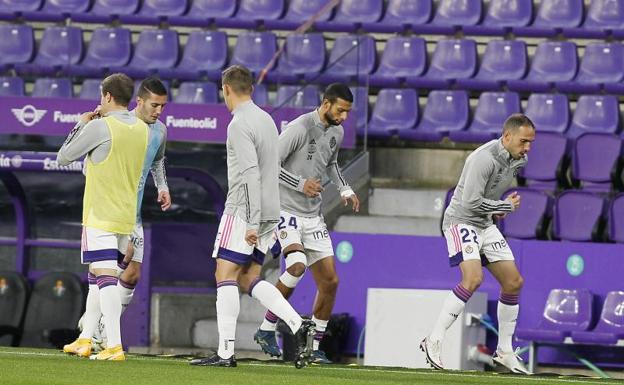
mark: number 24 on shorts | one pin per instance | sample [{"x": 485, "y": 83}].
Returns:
[{"x": 292, "y": 222}]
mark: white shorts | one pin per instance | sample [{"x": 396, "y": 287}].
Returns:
[
  {"x": 230, "y": 242},
  {"x": 137, "y": 243},
  {"x": 465, "y": 242},
  {"x": 102, "y": 248},
  {"x": 311, "y": 232}
]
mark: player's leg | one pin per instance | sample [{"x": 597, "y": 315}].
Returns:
[
  {"x": 88, "y": 322},
  {"x": 324, "y": 272},
  {"x": 131, "y": 267}
]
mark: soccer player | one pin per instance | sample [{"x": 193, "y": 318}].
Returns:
[
  {"x": 249, "y": 219},
  {"x": 115, "y": 146},
  {"x": 474, "y": 241},
  {"x": 308, "y": 151}
]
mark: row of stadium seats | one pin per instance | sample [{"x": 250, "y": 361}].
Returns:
[
  {"x": 403, "y": 61},
  {"x": 601, "y": 18}
]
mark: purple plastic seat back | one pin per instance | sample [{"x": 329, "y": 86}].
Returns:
[
  {"x": 17, "y": 43},
  {"x": 605, "y": 14},
  {"x": 361, "y": 107},
  {"x": 109, "y": 47},
  {"x": 559, "y": 14},
  {"x": 156, "y": 49},
  {"x": 254, "y": 50},
  {"x": 115, "y": 7},
  {"x": 91, "y": 89},
  {"x": 601, "y": 63},
  {"x": 445, "y": 111},
  {"x": 163, "y": 7},
  {"x": 60, "y": 46},
  {"x": 360, "y": 58},
  {"x": 205, "y": 51},
  {"x": 52, "y": 88},
  {"x": 20, "y": 5},
  {"x": 549, "y": 112},
  {"x": 11, "y": 86},
  {"x": 458, "y": 12},
  {"x": 66, "y": 6},
  {"x": 595, "y": 113},
  {"x": 509, "y": 13},
  {"x": 577, "y": 215},
  {"x": 410, "y": 12},
  {"x": 612, "y": 315},
  {"x": 213, "y": 8},
  {"x": 547, "y": 152},
  {"x": 302, "y": 10},
  {"x": 359, "y": 11},
  {"x": 197, "y": 93},
  {"x": 493, "y": 109},
  {"x": 528, "y": 221},
  {"x": 303, "y": 54},
  {"x": 403, "y": 56},
  {"x": 568, "y": 310},
  {"x": 594, "y": 158},
  {"x": 554, "y": 61},
  {"x": 503, "y": 60},
  {"x": 616, "y": 218},
  {"x": 395, "y": 109},
  {"x": 453, "y": 59},
  {"x": 260, "y": 9},
  {"x": 260, "y": 95},
  {"x": 294, "y": 96}
]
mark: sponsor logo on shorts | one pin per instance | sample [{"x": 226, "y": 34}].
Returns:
[
  {"x": 499, "y": 245},
  {"x": 28, "y": 115},
  {"x": 137, "y": 241},
  {"x": 468, "y": 249},
  {"x": 320, "y": 234},
  {"x": 283, "y": 235}
]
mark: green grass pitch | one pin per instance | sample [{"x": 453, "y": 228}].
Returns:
[{"x": 21, "y": 366}]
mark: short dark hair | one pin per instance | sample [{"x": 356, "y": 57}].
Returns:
[
  {"x": 151, "y": 85},
  {"x": 120, "y": 87},
  {"x": 239, "y": 78},
  {"x": 515, "y": 121},
  {"x": 337, "y": 91}
]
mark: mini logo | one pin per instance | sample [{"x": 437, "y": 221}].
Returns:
[
  {"x": 3, "y": 286},
  {"x": 468, "y": 249},
  {"x": 312, "y": 147},
  {"x": 283, "y": 234},
  {"x": 332, "y": 142},
  {"x": 515, "y": 172},
  {"x": 28, "y": 115},
  {"x": 16, "y": 161},
  {"x": 59, "y": 288}
]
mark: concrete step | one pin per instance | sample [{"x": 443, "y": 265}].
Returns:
[
  {"x": 426, "y": 203},
  {"x": 376, "y": 224}
]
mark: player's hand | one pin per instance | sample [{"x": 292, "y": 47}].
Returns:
[
  {"x": 251, "y": 237},
  {"x": 355, "y": 202},
  {"x": 165, "y": 200},
  {"x": 312, "y": 187},
  {"x": 89, "y": 116},
  {"x": 514, "y": 198}
]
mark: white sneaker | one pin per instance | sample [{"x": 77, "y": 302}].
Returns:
[
  {"x": 432, "y": 352},
  {"x": 99, "y": 337},
  {"x": 510, "y": 360}
]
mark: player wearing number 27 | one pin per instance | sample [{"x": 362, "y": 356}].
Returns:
[{"x": 473, "y": 240}]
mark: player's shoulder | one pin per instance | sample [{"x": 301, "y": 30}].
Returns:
[{"x": 484, "y": 154}]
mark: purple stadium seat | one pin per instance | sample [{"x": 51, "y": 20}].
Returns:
[
  {"x": 503, "y": 60},
  {"x": 559, "y": 14},
  {"x": 260, "y": 9},
  {"x": 359, "y": 11},
  {"x": 17, "y": 44},
  {"x": 303, "y": 56},
  {"x": 10, "y": 6},
  {"x": 552, "y": 62},
  {"x": 546, "y": 165},
  {"x": 203, "y": 12},
  {"x": 197, "y": 93},
  {"x": 108, "y": 47},
  {"x": 361, "y": 108},
  {"x": 260, "y": 95},
  {"x": 445, "y": 111},
  {"x": 530, "y": 220},
  {"x": 205, "y": 54},
  {"x": 491, "y": 112},
  {"x": 395, "y": 109},
  {"x": 294, "y": 96},
  {"x": 401, "y": 14},
  {"x": 156, "y": 49},
  {"x": 578, "y": 216},
  {"x": 114, "y": 7},
  {"x": 163, "y": 7},
  {"x": 610, "y": 327},
  {"x": 91, "y": 89},
  {"x": 11, "y": 86},
  {"x": 403, "y": 57},
  {"x": 66, "y": 6},
  {"x": 605, "y": 14},
  {"x": 601, "y": 63},
  {"x": 59, "y": 47},
  {"x": 302, "y": 10},
  {"x": 549, "y": 112},
  {"x": 508, "y": 13},
  {"x": 351, "y": 55},
  {"x": 452, "y": 59},
  {"x": 616, "y": 219},
  {"x": 52, "y": 88},
  {"x": 565, "y": 311},
  {"x": 254, "y": 50},
  {"x": 458, "y": 13},
  {"x": 595, "y": 113},
  {"x": 595, "y": 157}
]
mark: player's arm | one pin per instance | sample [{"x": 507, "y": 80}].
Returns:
[
  {"x": 242, "y": 141},
  {"x": 82, "y": 139},
  {"x": 159, "y": 175},
  {"x": 290, "y": 140},
  {"x": 478, "y": 172},
  {"x": 335, "y": 175}
]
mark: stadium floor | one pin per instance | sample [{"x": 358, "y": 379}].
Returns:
[{"x": 20, "y": 366}]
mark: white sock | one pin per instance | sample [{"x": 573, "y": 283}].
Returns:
[
  {"x": 92, "y": 312},
  {"x": 453, "y": 306},
  {"x": 321, "y": 326},
  {"x": 228, "y": 307},
  {"x": 507, "y": 313},
  {"x": 272, "y": 299},
  {"x": 110, "y": 305},
  {"x": 269, "y": 323},
  {"x": 126, "y": 292}
]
